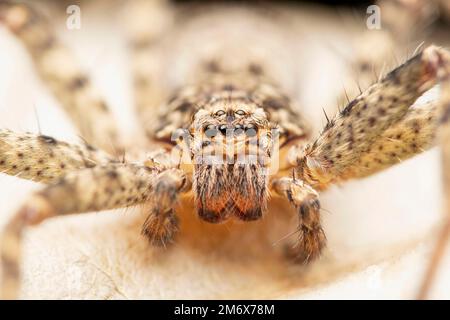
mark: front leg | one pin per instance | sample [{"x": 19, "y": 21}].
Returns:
[
  {"x": 305, "y": 200},
  {"x": 105, "y": 187},
  {"x": 161, "y": 224}
]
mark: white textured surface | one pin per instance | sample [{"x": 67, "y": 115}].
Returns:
[{"x": 379, "y": 229}]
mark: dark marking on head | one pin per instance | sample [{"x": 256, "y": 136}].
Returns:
[
  {"x": 184, "y": 106},
  {"x": 272, "y": 103}
]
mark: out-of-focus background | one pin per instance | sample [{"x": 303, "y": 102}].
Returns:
[{"x": 380, "y": 229}]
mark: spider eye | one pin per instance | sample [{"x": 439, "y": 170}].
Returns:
[
  {"x": 223, "y": 129},
  {"x": 240, "y": 112},
  {"x": 238, "y": 130},
  {"x": 220, "y": 113},
  {"x": 211, "y": 131},
  {"x": 250, "y": 130}
]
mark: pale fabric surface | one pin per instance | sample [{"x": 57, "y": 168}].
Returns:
[{"x": 379, "y": 229}]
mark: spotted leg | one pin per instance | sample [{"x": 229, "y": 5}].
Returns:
[{"x": 305, "y": 200}]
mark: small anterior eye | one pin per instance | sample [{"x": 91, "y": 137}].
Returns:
[
  {"x": 211, "y": 131},
  {"x": 223, "y": 129},
  {"x": 238, "y": 130},
  {"x": 240, "y": 112},
  {"x": 220, "y": 113},
  {"x": 250, "y": 130}
]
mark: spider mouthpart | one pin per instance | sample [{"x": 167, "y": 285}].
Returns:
[{"x": 230, "y": 190}]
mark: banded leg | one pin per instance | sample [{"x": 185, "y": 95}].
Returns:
[
  {"x": 161, "y": 224},
  {"x": 59, "y": 69},
  {"x": 100, "y": 188},
  {"x": 356, "y": 128},
  {"x": 147, "y": 22},
  {"x": 44, "y": 159},
  {"x": 305, "y": 200}
]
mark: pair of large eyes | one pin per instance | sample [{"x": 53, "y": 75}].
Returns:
[
  {"x": 238, "y": 112},
  {"x": 211, "y": 130}
]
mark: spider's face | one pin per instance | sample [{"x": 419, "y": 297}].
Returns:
[{"x": 231, "y": 149}]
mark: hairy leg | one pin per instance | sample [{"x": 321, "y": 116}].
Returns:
[
  {"x": 412, "y": 135},
  {"x": 161, "y": 224},
  {"x": 305, "y": 200},
  {"x": 356, "y": 128},
  {"x": 331, "y": 158},
  {"x": 100, "y": 188},
  {"x": 59, "y": 69},
  {"x": 44, "y": 159}
]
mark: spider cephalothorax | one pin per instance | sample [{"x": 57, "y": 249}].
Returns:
[
  {"x": 231, "y": 133},
  {"x": 231, "y": 150}
]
